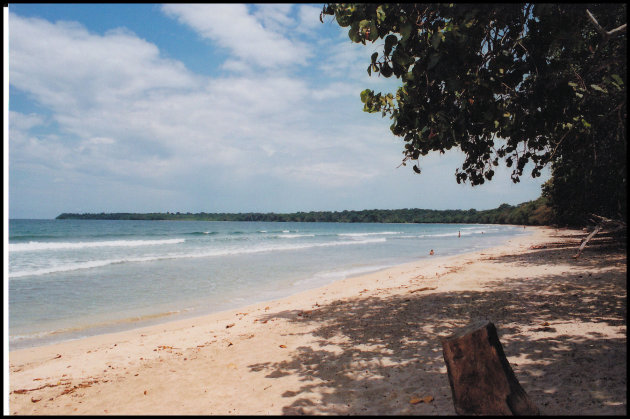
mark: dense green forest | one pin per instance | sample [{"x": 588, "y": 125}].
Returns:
[{"x": 529, "y": 213}]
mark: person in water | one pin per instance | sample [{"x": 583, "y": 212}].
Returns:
[{"x": 431, "y": 252}]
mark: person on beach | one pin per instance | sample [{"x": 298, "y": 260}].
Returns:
[
  {"x": 431, "y": 252},
  {"x": 459, "y": 234}
]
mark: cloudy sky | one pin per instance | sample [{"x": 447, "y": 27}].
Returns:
[{"x": 215, "y": 108}]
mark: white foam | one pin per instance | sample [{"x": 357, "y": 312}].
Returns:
[
  {"x": 369, "y": 234},
  {"x": 33, "y": 246},
  {"x": 294, "y": 236},
  {"x": 212, "y": 253}
]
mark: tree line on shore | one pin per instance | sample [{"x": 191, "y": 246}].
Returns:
[{"x": 535, "y": 212}]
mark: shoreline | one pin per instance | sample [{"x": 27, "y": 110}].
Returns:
[
  {"x": 363, "y": 344},
  {"x": 103, "y": 327}
]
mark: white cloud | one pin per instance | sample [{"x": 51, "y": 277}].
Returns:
[
  {"x": 146, "y": 117},
  {"x": 231, "y": 26},
  {"x": 275, "y": 17},
  {"x": 65, "y": 66},
  {"x": 309, "y": 19},
  {"x": 328, "y": 174},
  {"x": 21, "y": 122}
]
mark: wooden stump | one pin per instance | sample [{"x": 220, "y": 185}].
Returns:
[{"x": 481, "y": 379}]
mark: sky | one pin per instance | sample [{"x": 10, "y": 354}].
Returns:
[{"x": 208, "y": 108}]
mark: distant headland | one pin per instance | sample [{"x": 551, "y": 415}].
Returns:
[{"x": 529, "y": 213}]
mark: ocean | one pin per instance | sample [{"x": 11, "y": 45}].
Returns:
[{"x": 75, "y": 278}]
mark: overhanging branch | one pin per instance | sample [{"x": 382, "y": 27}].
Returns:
[{"x": 605, "y": 34}]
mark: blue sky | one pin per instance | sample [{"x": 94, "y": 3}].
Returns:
[{"x": 215, "y": 108}]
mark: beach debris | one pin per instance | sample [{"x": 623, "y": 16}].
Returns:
[
  {"x": 425, "y": 399},
  {"x": 475, "y": 351},
  {"x": 422, "y": 289},
  {"x": 229, "y": 325},
  {"x": 164, "y": 347},
  {"x": 26, "y": 390},
  {"x": 145, "y": 392},
  {"x": 58, "y": 356},
  {"x": 230, "y": 344},
  {"x": 266, "y": 308},
  {"x": 34, "y": 400},
  {"x": 283, "y": 346}
]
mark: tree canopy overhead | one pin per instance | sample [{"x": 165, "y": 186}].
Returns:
[{"x": 538, "y": 84}]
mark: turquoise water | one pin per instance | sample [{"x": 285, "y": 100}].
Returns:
[{"x": 74, "y": 278}]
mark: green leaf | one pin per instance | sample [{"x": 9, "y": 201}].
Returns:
[
  {"x": 353, "y": 33},
  {"x": 365, "y": 95},
  {"x": 386, "y": 70},
  {"x": 618, "y": 79},
  {"x": 435, "y": 40},
  {"x": 598, "y": 88},
  {"x": 390, "y": 41},
  {"x": 380, "y": 14},
  {"x": 373, "y": 32},
  {"x": 405, "y": 30},
  {"x": 343, "y": 16},
  {"x": 435, "y": 58}
]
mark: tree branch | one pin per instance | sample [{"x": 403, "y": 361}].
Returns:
[{"x": 605, "y": 34}]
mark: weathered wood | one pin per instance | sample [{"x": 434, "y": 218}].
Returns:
[
  {"x": 481, "y": 379},
  {"x": 590, "y": 236}
]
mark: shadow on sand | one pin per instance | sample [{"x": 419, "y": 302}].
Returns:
[{"x": 375, "y": 353}]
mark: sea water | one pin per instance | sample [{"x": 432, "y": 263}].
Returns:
[{"x": 75, "y": 278}]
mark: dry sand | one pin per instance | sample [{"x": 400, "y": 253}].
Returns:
[{"x": 364, "y": 345}]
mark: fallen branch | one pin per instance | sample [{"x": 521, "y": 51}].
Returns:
[
  {"x": 583, "y": 245},
  {"x": 602, "y": 223},
  {"x": 614, "y": 225}
]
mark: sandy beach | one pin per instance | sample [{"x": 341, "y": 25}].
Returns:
[{"x": 363, "y": 345}]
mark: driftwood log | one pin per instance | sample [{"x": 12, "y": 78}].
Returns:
[
  {"x": 613, "y": 226},
  {"x": 481, "y": 379}
]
